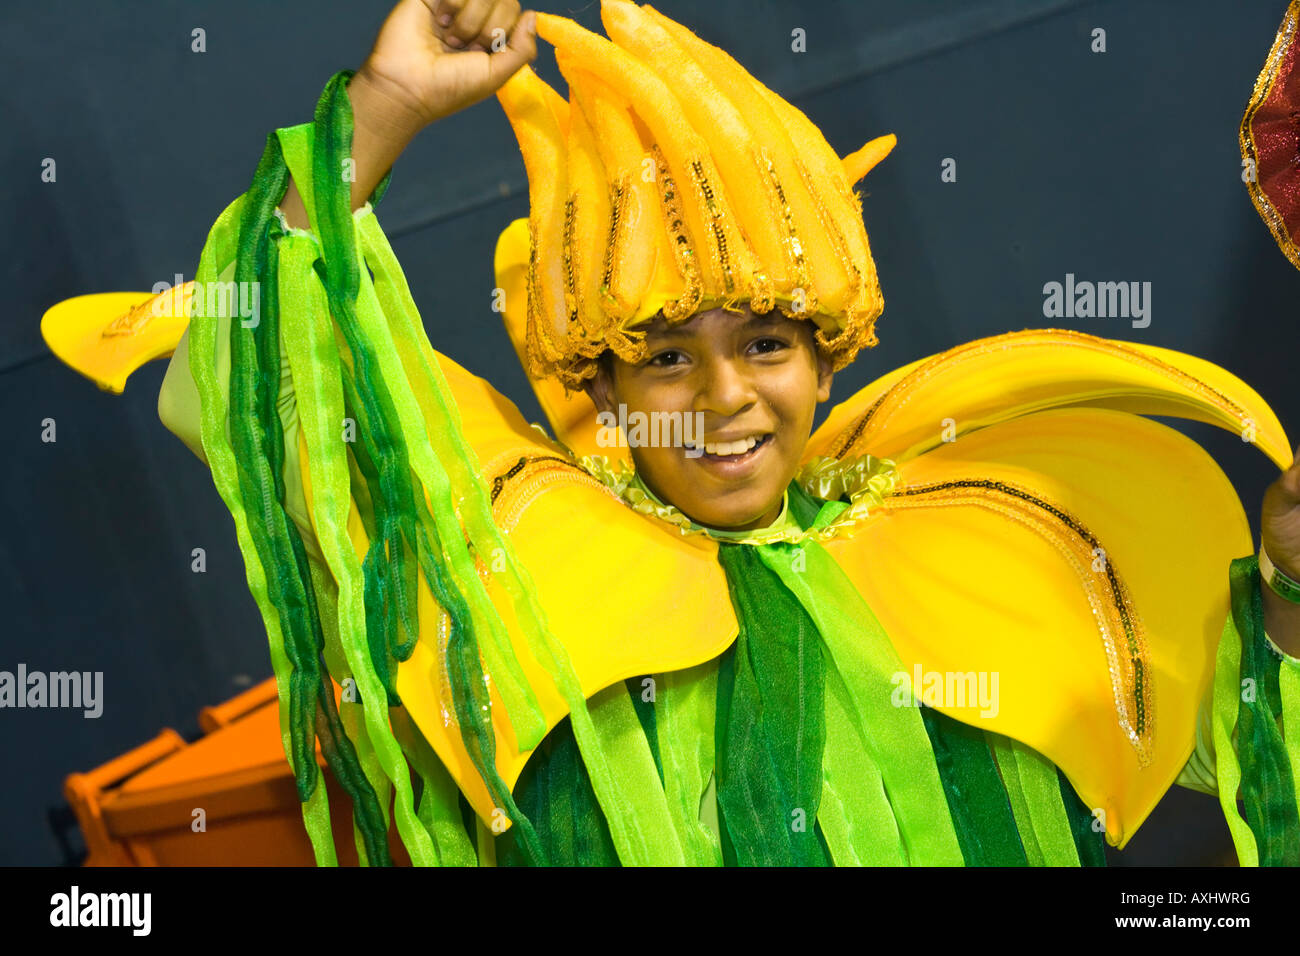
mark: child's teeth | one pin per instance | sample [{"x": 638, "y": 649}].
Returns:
[{"x": 730, "y": 447}]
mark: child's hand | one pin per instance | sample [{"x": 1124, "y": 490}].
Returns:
[
  {"x": 435, "y": 57},
  {"x": 421, "y": 70}
]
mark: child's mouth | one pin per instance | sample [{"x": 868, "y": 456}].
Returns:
[{"x": 729, "y": 457}]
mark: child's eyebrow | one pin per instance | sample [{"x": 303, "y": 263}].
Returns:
[
  {"x": 669, "y": 332},
  {"x": 765, "y": 320}
]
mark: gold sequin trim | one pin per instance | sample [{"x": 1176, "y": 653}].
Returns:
[
  {"x": 513, "y": 490},
  {"x": 793, "y": 245},
  {"x": 683, "y": 252},
  {"x": 571, "y": 299},
  {"x": 536, "y": 338},
  {"x": 620, "y": 194},
  {"x": 719, "y": 252},
  {"x": 860, "y": 313},
  {"x": 1128, "y": 660}
]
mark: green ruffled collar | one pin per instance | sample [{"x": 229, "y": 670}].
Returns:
[{"x": 862, "y": 482}]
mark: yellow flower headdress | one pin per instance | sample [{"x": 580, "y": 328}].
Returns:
[{"x": 673, "y": 181}]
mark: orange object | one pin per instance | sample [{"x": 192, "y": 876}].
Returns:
[{"x": 141, "y": 809}]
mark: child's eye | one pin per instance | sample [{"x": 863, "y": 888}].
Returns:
[
  {"x": 767, "y": 344},
  {"x": 666, "y": 359}
]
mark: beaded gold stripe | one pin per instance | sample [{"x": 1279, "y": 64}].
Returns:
[
  {"x": 683, "y": 253},
  {"x": 572, "y": 302},
  {"x": 857, "y": 312},
  {"x": 515, "y": 488},
  {"x": 782, "y": 212},
  {"x": 1118, "y": 622},
  {"x": 719, "y": 252},
  {"x": 894, "y": 396},
  {"x": 1246, "y": 137},
  {"x": 832, "y": 227},
  {"x": 857, "y": 428},
  {"x": 535, "y": 324},
  {"x": 620, "y": 194}
]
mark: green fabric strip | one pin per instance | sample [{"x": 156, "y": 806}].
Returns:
[
  {"x": 407, "y": 535},
  {"x": 770, "y": 727},
  {"x": 641, "y": 794},
  {"x": 1289, "y": 694},
  {"x": 1227, "y": 698},
  {"x": 256, "y": 451},
  {"x": 855, "y": 816},
  {"x": 218, "y": 251},
  {"x": 1089, "y": 834},
  {"x": 438, "y": 805},
  {"x": 1035, "y": 795},
  {"x": 308, "y": 345},
  {"x": 981, "y": 811},
  {"x": 684, "y": 725},
  {"x": 1267, "y": 787},
  {"x": 556, "y": 791},
  {"x": 1006, "y": 761},
  {"x": 386, "y": 589},
  {"x": 644, "y": 691},
  {"x": 895, "y": 736},
  {"x": 385, "y": 333}
]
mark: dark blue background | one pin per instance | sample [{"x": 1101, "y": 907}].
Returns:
[{"x": 1114, "y": 166}]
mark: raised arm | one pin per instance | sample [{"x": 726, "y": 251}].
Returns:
[{"x": 431, "y": 59}]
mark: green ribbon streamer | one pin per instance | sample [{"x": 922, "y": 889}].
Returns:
[
  {"x": 856, "y": 817},
  {"x": 1034, "y": 791},
  {"x": 1089, "y": 834},
  {"x": 770, "y": 720},
  {"x": 684, "y": 727},
  {"x": 1249, "y": 752},
  {"x": 1267, "y": 784},
  {"x": 204, "y": 329},
  {"x": 389, "y": 437},
  {"x": 895, "y": 737},
  {"x": 978, "y": 801},
  {"x": 255, "y": 451}
]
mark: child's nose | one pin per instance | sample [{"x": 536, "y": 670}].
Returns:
[{"x": 727, "y": 389}]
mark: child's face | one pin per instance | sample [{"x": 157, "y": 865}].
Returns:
[{"x": 750, "y": 377}]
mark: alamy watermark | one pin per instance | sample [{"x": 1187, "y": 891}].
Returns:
[
  {"x": 946, "y": 690},
  {"x": 62, "y": 689},
  {"x": 130, "y": 910},
  {"x": 242, "y": 299},
  {"x": 652, "y": 430},
  {"x": 1102, "y": 300}
]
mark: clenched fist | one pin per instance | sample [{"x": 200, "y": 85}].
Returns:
[
  {"x": 432, "y": 58},
  {"x": 435, "y": 57}
]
